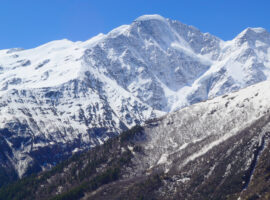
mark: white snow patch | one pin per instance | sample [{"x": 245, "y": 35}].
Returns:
[
  {"x": 151, "y": 17},
  {"x": 163, "y": 159}
]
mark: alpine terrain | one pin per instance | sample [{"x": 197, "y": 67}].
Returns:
[
  {"x": 218, "y": 149},
  {"x": 64, "y": 97}
]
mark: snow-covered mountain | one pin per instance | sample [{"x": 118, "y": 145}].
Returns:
[
  {"x": 218, "y": 149},
  {"x": 66, "y": 96}
]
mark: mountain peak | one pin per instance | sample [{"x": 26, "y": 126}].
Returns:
[
  {"x": 151, "y": 17},
  {"x": 253, "y": 33}
]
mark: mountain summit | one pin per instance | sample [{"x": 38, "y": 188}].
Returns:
[{"x": 63, "y": 97}]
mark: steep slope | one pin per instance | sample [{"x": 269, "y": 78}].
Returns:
[
  {"x": 68, "y": 96},
  {"x": 211, "y": 150}
]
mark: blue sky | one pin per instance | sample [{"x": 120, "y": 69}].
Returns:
[{"x": 29, "y": 23}]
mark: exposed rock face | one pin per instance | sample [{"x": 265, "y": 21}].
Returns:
[{"x": 76, "y": 95}]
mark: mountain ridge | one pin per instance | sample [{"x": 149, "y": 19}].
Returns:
[
  {"x": 217, "y": 149},
  {"x": 77, "y": 95}
]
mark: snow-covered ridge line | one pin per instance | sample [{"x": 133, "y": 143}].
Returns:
[
  {"x": 183, "y": 136},
  {"x": 62, "y": 61}
]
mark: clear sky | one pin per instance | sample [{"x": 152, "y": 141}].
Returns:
[{"x": 29, "y": 23}]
